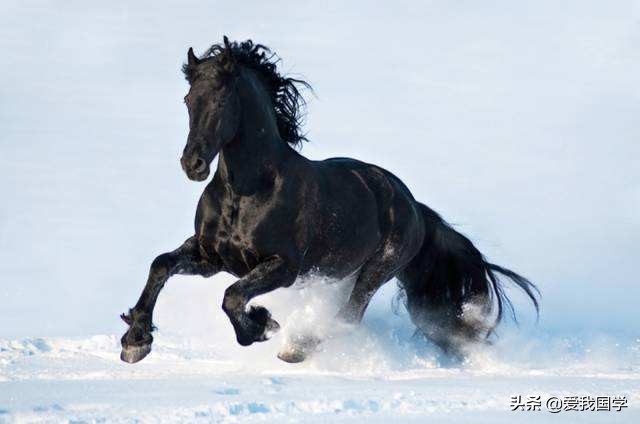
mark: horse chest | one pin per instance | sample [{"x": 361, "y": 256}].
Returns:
[{"x": 230, "y": 233}]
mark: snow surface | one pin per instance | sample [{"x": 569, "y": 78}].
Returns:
[
  {"x": 517, "y": 121},
  {"x": 377, "y": 373},
  {"x": 82, "y": 380}
]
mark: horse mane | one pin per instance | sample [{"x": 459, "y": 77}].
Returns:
[{"x": 288, "y": 102}]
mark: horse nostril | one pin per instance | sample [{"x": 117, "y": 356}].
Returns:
[{"x": 199, "y": 165}]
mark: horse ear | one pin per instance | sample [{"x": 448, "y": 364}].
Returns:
[
  {"x": 225, "y": 39},
  {"x": 191, "y": 58},
  {"x": 127, "y": 319}
]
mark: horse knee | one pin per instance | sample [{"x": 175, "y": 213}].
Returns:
[
  {"x": 233, "y": 300},
  {"x": 161, "y": 265}
]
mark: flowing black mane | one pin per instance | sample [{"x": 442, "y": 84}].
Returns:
[{"x": 288, "y": 102}]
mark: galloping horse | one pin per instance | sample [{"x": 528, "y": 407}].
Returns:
[{"x": 270, "y": 215}]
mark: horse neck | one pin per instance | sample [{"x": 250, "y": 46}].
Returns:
[{"x": 257, "y": 146}]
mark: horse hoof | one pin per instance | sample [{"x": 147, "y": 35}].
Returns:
[
  {"x": 301, "y": 348},
  {"x": 270, "y": 328},
  {"x": 263, "y": 325},
  {"x": 133, "y": 354},
  {"x": 292, "y": 355}
]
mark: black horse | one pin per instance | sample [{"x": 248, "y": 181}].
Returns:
[{"x": 271, "y": 215}]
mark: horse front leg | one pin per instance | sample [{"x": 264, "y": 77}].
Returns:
[
  {"x": 256, "y": 324},
  {"x": 136, "y": 342}
]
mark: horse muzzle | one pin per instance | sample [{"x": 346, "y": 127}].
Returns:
[{"x": 196, "y": 168}]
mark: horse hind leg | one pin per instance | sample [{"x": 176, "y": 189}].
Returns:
[{"x": 378, "y": 270}]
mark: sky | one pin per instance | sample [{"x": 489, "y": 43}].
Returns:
[{"x": 517, "y": 121}]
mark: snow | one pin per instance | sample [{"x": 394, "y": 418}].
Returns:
[
  {"x": 82, "y": 380},
  {"x": 376, "y": 372},
  {"x": 517, "y": 121}
]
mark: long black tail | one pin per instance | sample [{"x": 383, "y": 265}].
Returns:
[{"x": 454, "y": 296}]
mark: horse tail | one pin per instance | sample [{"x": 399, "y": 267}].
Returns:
[{"x": 452, "y": 292}]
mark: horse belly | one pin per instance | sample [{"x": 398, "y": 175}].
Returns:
[{"x": 346, "y": 232}]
